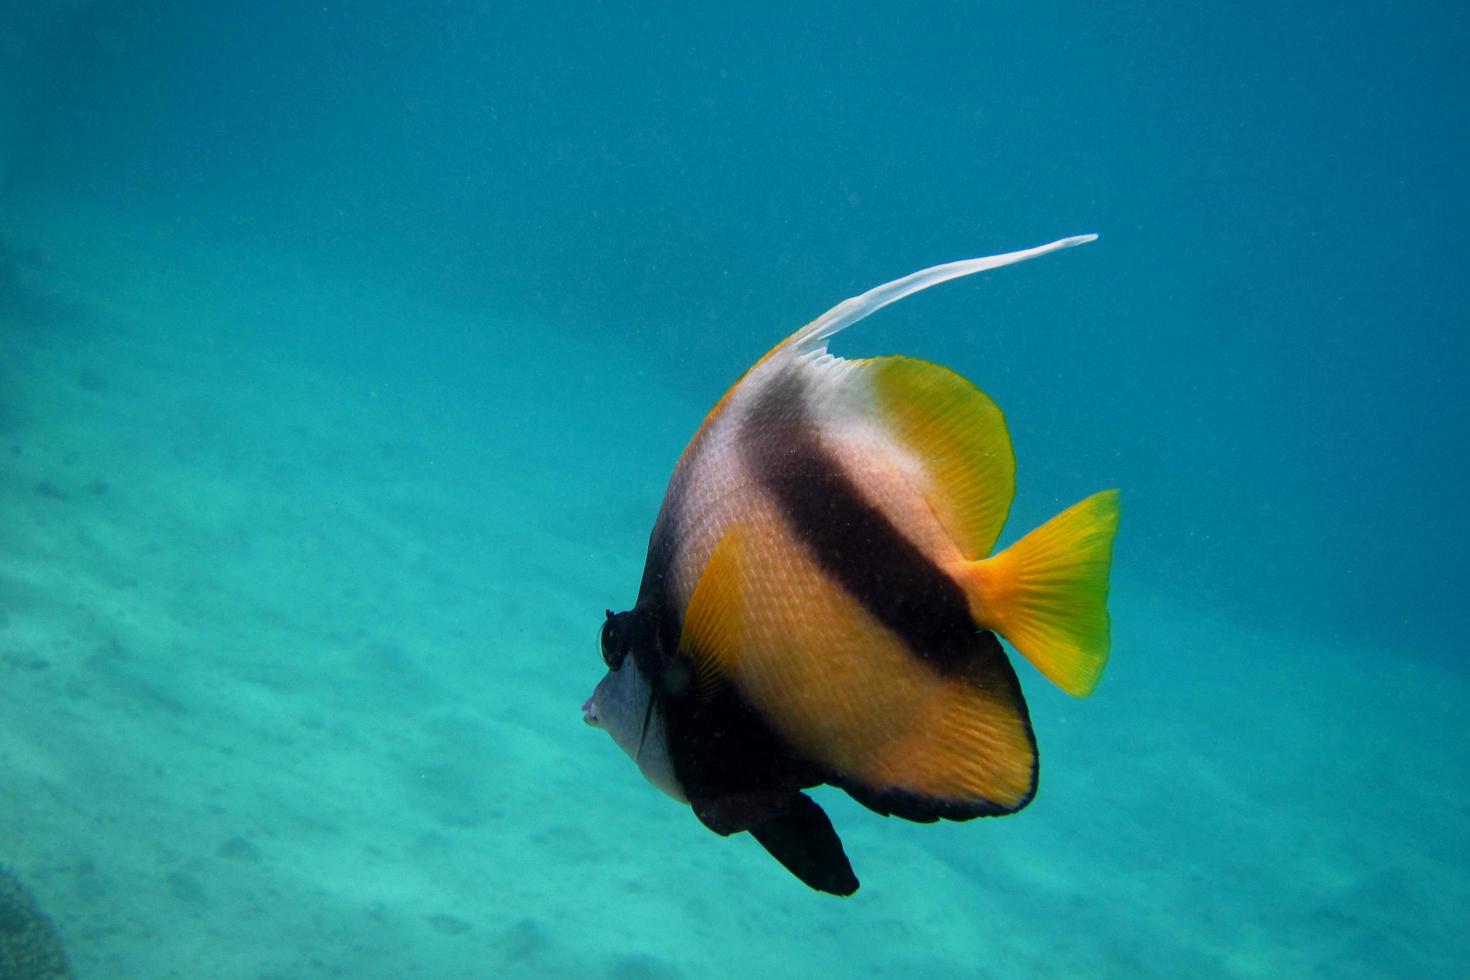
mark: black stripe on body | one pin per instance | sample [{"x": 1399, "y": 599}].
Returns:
[{"x": 848, "y": 537}]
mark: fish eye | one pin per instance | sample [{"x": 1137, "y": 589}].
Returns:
[{"x": 615, "y": 640}]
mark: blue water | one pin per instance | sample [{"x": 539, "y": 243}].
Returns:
[{"x": 345, "y": 349}]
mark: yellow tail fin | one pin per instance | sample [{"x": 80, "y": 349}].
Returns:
[{"x": 1048, "y": 593}]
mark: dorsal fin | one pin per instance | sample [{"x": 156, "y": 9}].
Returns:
[
  {"x": 959, "y": 435},
  {"x": 814, "y": 336}
]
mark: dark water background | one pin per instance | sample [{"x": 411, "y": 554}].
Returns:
[{"x": 1266, "y": 350}]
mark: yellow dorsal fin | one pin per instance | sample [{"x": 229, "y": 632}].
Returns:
[
  {"x": 1048, "y": 593},
  {"x": 960, "y": 436},
  {"x": 710, "y": 636}
]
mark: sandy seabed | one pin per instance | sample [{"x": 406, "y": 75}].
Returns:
[{"x": 293, "y": 640}]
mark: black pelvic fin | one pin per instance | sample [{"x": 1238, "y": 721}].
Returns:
[{"x": 801, "y": 837}]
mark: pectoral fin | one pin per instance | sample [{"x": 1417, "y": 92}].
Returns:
[{"x": 711, "y": 634}]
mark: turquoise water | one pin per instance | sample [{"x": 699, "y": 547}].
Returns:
[{"x": 345, "y": 350}]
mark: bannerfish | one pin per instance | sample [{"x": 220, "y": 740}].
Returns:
[{"x": 820, "y": 605}]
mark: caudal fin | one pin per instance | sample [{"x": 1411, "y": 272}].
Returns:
[{"x": 1048, "y": 593}]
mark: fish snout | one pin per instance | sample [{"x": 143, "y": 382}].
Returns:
[{"x": 589, "y": 712}]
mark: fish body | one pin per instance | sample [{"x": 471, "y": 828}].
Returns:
[{"x": 819, "y": 603}]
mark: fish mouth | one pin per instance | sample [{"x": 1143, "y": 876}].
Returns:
[{"x": 589, "y": 713}]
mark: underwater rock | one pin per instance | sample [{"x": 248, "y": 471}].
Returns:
[
  {"x": 30, "y": 946},
  {"x": 523, "y": 940},
  {"x": 239, "y": 849},
  {"x": 186, "y": 889},
  {"x": 449, "y": 925},
  {"x": 641, "y": 966}
]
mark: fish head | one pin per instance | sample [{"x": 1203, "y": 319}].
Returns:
[
  {"x": 624, "y": 706},
  {"x": 622, "y": 699}
]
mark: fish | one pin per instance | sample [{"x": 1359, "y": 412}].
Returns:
[{"x": 820, "y": 604}]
